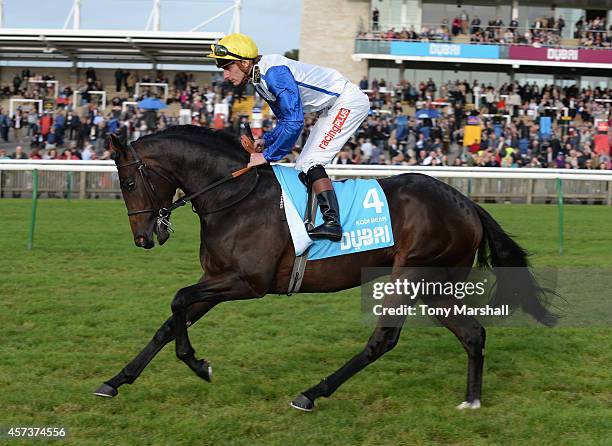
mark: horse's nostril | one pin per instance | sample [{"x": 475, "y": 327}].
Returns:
[{"x": 140, "y": 241}]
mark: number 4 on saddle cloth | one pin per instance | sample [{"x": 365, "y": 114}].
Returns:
[{"x": 364, "y": 215}]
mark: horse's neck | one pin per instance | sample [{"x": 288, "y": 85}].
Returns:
[{"x": 200, "y": 168}]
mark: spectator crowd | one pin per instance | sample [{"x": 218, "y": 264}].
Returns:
[
  {"x": 544, "y": 31},
  {"x": 410, "y": 124},
  {"x": 509, "y": 117}
]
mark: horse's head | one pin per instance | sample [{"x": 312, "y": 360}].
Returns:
[{"x": 145, "y": 191}]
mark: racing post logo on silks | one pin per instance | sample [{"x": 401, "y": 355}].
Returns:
[{"x": 339, "y": 121}]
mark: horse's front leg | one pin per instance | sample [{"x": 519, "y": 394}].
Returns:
[
  {"x": 211, "y": 291},
  {"x": 163, "y": 336}
]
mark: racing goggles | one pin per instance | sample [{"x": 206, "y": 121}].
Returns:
[{"x": 222, "y": 51}]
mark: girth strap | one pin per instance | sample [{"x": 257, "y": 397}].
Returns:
[{"x": 299, "y": 265}]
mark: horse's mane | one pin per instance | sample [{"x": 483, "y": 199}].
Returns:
[{"x": 197, "y": 136}]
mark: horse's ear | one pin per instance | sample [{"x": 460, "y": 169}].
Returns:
[{"x": 115, "y": 144}]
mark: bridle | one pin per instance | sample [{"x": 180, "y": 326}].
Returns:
[
  {"x": 163, "y": 213},
  {"x": 143, "y": 170}
]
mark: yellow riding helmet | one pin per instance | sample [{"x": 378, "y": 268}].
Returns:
[{"x": 233, "y": 47}]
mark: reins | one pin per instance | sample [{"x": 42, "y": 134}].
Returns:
[{"x": 186, "y": 199}]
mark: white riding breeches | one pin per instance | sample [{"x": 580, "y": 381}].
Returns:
[{"x": 334, "y": 128}]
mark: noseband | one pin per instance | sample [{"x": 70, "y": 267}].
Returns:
[{"x": 163, "y": 213}]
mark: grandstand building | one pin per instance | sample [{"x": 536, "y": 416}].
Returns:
[
  {"x": 562, "y": 43},
  {"x": 43, "y": 68},
  {"x": 65, "y": 54}
]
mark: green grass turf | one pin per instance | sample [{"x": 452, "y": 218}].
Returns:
[{"x": 80, "y": 305}]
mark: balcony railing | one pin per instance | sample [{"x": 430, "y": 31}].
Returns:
[{"x": 497, "y": 35}]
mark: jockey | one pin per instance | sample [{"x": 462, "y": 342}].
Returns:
[{"x": 291, "y": 89}]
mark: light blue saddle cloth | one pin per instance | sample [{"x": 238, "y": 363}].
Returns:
[{"x": 364, "y": 215}]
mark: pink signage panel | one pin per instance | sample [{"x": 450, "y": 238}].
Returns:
[{"x": 560, "y": 54}]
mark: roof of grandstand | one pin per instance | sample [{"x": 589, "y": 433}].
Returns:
[{"x": 70, "y": 45}]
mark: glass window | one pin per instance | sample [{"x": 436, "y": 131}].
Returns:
[
  {"x": 593, "y": 82},
  {"x": 390, "y": 75},
  {"x": 424, "y": 75},
  {"x": 539, "y": 79},
  {"x": 434, "y": 13},
  {"x": 570, "y": 17},
  {"x": 529, "y": 14}
]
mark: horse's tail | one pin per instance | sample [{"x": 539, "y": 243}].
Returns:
[{"x": 516, "y": 285}]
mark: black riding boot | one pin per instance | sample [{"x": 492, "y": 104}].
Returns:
[
  {"x": 330, "y": 229},
  {"x": 328, "y": 203}
]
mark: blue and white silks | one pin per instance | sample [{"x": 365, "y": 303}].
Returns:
[{"x": 364, "y": 215}]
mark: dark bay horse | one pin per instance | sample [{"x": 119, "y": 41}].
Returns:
[{"x": 246, "y": 250}]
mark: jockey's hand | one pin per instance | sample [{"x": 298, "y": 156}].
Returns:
[
  {"x": 257, "y": 159},
  {"x": 258, "y": 145}
]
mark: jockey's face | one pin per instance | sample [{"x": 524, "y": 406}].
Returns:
[{"x": 237, "y": 72}]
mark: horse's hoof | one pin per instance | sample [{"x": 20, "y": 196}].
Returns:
[
  {"x": 302, "y": 402},
  {"x": 469, "y": 405},
  {"x": 106, "y": 391},
  {"x": 204, "y": 370}
]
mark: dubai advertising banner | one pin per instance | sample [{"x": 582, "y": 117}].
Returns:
[
  {"x": 443, "y": 49},
  {"x": 560, "y": 54}
]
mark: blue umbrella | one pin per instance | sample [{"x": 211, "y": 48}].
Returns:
[
  {"x": 152, "y": 104},
  {"x": 428, "y": 113}
]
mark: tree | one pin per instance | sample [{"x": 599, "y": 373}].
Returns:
[{"x": 292, "y": 54}]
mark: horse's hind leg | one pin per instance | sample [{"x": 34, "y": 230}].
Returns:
[
  {"x": 385, "y": 337},
  {"x": 163, "y": 336},
  {"x": 382, "y": 340},
  {"x": 471, "y": 334}
]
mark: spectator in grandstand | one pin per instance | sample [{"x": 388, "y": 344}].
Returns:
[
  {"x": 344, "y": 157},
  {"x": 50, "y": 154},
  {"x": 19, "y": 154},
  {"x": 35, "y": 154},
  {"x": 17, "y": 80},
  {"x": 161, "y": 78},
  {"x": 475, "y": 25},
  {"x": 84, "y": 132},
  {"x": 456, "y": 26},
  {"x": 465, "y": 20},
  {"x": 375, "y": 157},
  {"x": 91, "y": 74},
  {"x": 119, "y": 74},
  {"x": 46, "y": 122},
  {"x": 51, "y": 139},
  {"x": 72, "y": 125},
  {"x": 367, "y": 150},
  {"x": 6, "y": 92},
  {"x": 106, "y": 155},
  {"x": 180, "y": 81},
  {"x": 5, "y": 124},
  {"x": 59, "y": 123},
  {"x": 88, "y": 153},
  {"x": 375, "y": 18},
  {"x": 130, "y": 82},
  {"x": 513, "y": 25},
  {"x": 17, "y": 123},
  {"x": 68, "y": 154},
  {"x": 4, "y": 155}
]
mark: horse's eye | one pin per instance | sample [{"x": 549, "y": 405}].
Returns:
[{"x": 129, "y": 184}]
